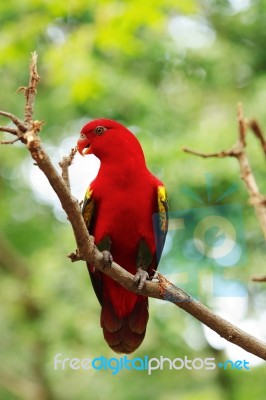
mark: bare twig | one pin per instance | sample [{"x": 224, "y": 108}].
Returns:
[
  {"x": 238, "y": 151},
  {"x": 65, "y": 164},
  {"x": 8, "y": 129},
  {"x": 9, "y": 141},
  {"x": 224, "y": 153},
  {"x": 87, "y": 251},
  {"x": 261, "y": 278},
  {"x": 21, "y": 126},
  {"x": 75, "y": 256},
  {"x": 242, "y": 125},
  {"x": 31, "y": 90},
  {"x": 253, "y": 124}
]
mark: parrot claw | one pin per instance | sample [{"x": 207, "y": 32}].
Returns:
[
  {"x": 107, "y": 259},
  {"x": 140, "y": 278}
]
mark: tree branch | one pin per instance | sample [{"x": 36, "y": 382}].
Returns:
[
  {"x": 253, "y": 124},
  {"x": 238, "y": 151},
  {"x": 31, "y": 90},
  {"x": 221, "y": 154},
  {"x": 9, "y": 141},
  {"x": 87, "y": 251},
  {"x": 261, "y": 278},
  {"x": 19, "y": 124},
  {"x": 13, "y": 131},
  {"x": 241, "y": 126},
  {"x": 65, "y": 164}
]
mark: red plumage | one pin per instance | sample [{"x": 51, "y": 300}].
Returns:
[{"x": 118, "y": 210}]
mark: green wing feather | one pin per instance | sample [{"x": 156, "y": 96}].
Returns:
[
  {"x": 88, "y": 210},
  {"x": 145, "y": 259},
  {"x": 162, "y": 220}
]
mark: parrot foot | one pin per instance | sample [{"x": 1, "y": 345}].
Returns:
[
  {"x": 140, "y": 278},
  {"x": 107, "y": 259}
]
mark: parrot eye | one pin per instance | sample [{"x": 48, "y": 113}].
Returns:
[{"x": 99, "y": 130}]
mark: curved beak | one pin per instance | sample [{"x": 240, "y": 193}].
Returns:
[{"x": 83, "y": 146}]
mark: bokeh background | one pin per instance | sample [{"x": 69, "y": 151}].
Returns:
[{"x": 173, "y": 71}]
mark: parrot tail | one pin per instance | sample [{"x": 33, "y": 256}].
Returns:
[{"x": 124, "y": 335}]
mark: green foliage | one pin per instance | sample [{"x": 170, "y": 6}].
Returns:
[{"x": 173, "y": 71}]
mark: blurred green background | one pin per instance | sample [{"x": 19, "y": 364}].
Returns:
[{"x": 173, "y": 71}]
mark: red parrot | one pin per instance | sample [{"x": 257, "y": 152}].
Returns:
[{"x": 118, "y": 210}]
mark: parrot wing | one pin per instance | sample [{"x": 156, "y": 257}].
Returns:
[
  {"x": 88, "y": 215},
  {"x": 88, "y": 207},
  {"x": 160, "y": 221},
  {"x": 146, "y": 259}
]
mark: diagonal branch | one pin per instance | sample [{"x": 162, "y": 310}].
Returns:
[
  {"x": 253, "y": 124},
  {"x": 87, "y": 251},
  {"x": 8, "y": 129},
  {"x": 19, "y": 124}
]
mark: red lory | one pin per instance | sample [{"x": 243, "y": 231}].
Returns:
[{"x": 125, "y": 209}]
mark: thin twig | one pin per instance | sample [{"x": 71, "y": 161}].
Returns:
[
  {"x": 261, "y": 278},
  {"x": 31, "y": 91},
  {"x": 221, "y": 154},
  {"x": 21, "y": 126},
  {"x": 8, "y": 129},
  {"x": 65, "y": 163},
  {"x": 238, "y": 151},
  {"x": 9, "y": 141},
  {"x": 256, "y": 198},
  {"x": 241, "y": 125},
  {"x": 253, "y": 124}
]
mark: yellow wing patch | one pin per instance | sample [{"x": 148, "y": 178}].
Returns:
[
  {"x": 88, "y": 193},
  {"x": 163, "y": 208},
  {"x": 88, "y": 206}
]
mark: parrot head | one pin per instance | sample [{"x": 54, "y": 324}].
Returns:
[
  {"x": 108, "y": 139},
  {"x": 90, "y": 136}
]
